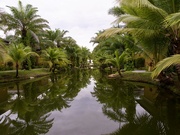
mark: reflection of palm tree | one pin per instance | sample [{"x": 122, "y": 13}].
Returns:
[
  {"x": 79, "y": 79},
  {"x": 118, "y": 99},
  {"x": 4, "y": 125},
  {"x": 19, "y": 105},
  {"x": 31, "y": 127},
  {"x": 33, "y": 105},
  {"x": 115, "y": 115},
  {"x": 142, "y": 125}
]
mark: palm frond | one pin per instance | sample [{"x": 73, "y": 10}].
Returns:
[
  {"x": 173, "y": 20},
  {"x": 165, "y": 63}
]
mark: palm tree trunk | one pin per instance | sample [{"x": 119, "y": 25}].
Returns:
[
  {"x": 24, "y": 35},
  {"x": 178, "y": 71},
  {"x": 119, "y": 72},
  {"x": 17, "y": 67},
  {"x": 176, "y": 50}
]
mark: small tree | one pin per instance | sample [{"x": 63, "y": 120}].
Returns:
[
  {"x": 18, "y": 52},
  {"x": 117, "y": 60},
  {"x": 55, "y": 56}
]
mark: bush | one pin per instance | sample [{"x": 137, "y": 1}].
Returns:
[
  {"x": 9, "y": 65},
  {"x": 139, "y": 62}
]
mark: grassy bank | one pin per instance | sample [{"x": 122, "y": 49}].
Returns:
[
  {"x": 144, "y": 77},
  {"x": 9, "y": 76}
]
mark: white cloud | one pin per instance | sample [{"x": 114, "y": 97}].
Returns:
[{"x": 82, "y": 18}]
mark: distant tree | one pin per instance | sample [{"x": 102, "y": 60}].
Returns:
[
  {"x": 55, "y": 38},
  {"x": 84, "y": 54},
  {"x": 55, "y": 56}
]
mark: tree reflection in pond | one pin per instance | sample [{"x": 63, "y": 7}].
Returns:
[
  {"x": 30, "y": 106},
  {"x": 120, "y": 105},
  {"x": 117, "y": 98}
]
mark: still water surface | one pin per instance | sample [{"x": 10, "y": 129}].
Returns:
[{"x": 87, "y": 103}]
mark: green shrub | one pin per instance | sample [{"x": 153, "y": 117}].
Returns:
[{"x": 139, "y": 63}]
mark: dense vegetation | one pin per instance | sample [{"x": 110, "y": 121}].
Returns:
[
  {"x": 34, "y": 45},
  {"x": 145, "y": 35},
  {"x": 146, "y": 32}
]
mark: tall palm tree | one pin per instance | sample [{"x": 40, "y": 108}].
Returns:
[
  {"x": 144, "y": 22},
  {"x": 24, "y": 21},
  {"x": 154, "y": 25},
  {"x": 18, "y": 53}
]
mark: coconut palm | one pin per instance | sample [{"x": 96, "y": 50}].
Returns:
[
  {"x": 24, "y": 21},
  {"x": 144, "y": 22},
  {"x": 18, "y": 53},
  {"x": 154, "y": 24},
  {"x": 172, "y": 21},
  {"x": 55, "y": 56}
]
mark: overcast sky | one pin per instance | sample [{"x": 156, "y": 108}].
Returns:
[{"x": 82, "y": 18}]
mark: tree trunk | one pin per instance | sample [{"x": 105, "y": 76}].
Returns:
[
  {"x": 17, "y": 68},
  {"x": 176, "y": 50},
  {"x": 178, "y": 71},
  {"x": 119, "y": 72}
]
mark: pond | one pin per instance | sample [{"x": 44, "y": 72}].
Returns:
[{"x": 87, "y": 103}]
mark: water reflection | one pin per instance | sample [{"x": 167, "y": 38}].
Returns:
[
  {"x": 28, "y": 104},
  {"x": 120, "y": 100},
  {"x": 76, "y": 104}
]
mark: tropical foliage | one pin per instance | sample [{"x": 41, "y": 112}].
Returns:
[
  {"x": 28, "y": 28},
  {"x": 18, "y": 53},
  {"x": 165, "y": 63},
  {"x": 55, "y": 56},
  {"x": 153, "y": 26}
]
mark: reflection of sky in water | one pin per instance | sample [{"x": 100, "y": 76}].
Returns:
[
  {"x": 140, "y": 110},
  {"x": 84, "y": 117}
]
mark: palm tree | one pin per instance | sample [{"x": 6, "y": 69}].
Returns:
[
  {"x": 18, "y": 53},
  {"x": 55, "y": 38},
  {"x": 73, "y": 52},
  {"x": 143, "y": 21},
  {"x": 84, "y": 54},
  {"x": 25, "y": 22},
  {"x": 154, "y": 25},
  {"x": 55, "y": 56},
  {"x": 117, "y": 61}
]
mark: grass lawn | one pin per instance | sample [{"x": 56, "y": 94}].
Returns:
[
  {"x": 8, "y": 76},
  {"x": 144, "y": 77}
]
